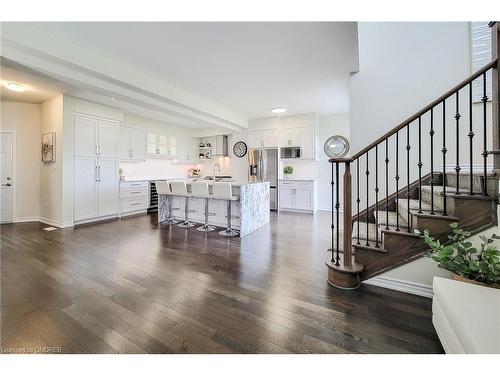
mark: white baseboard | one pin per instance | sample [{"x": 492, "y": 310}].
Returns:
[
  {"x": 401, "y": 285},
  {"x": 26, "y": 219},
  {"x": 54, "y": 223}
]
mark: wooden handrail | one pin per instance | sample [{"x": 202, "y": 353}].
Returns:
[{"x": 424, "y": 110}]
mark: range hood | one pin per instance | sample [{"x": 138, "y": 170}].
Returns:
[{"x": 221, "y": 146}]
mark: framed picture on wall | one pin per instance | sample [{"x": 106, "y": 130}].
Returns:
[{"x": 49, "y": 147}]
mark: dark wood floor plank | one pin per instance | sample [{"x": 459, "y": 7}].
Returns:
[{"x": 135, "y": 286}]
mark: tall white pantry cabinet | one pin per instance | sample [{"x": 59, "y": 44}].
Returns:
[{"x": 96, "y": 168}]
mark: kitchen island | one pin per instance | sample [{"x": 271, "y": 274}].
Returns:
[{"x": 252, "y": 207}]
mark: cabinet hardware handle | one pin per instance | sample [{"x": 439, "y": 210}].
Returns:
[
  {"x": 135, "y": 192},
  {"x": 135, "y": 204},
  {"x": 7, "y": 184},
  {"x": 97, "y": 150},
  {"x": 96, "y": 179},
  {"x": 99, "y": 172}
]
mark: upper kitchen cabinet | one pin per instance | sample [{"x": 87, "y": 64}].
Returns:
[
  {"x": 263, "y": 138},
  {"x": 187, "y": 150},
  {"x": 290, "y": 137},
  {"x": 308, "y": 142},
  {"x": 160, "y": 145},
  {"x": 95, "y": 137},
  {"x": 132, "y": 144}
]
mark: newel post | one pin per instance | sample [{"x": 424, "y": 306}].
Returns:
[
  {"x": 347, "y": 216},
  {"x": 495, "y": 78},
  {"x": 344, "y": 274}
]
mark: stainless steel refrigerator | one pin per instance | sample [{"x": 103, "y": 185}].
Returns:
[{"x": 263, "y": 166}]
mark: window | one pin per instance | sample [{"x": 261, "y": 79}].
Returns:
[{"x": 481, "y": 55}]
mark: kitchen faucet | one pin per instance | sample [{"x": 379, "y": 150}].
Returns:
[{"x": 213, "y": 170}]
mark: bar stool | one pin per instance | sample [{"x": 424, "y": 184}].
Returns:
[
  {"x": 223, "y": 190},
  {"x": 200, "y": 190},
  {"x": 179, "y": 188},
  {"x": 163, "y": 188}
]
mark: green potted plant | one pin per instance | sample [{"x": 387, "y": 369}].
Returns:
[
  {"x": 287, "y": 171},
  {"x": 467, "y": 263}
]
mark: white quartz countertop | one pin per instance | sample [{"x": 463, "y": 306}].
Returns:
[{"x": 232, "y": 182}]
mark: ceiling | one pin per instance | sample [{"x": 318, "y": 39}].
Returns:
[
  {"x": 249, "y": 67},
  {"x": 194, "y": 74},
  {"x": 39, "y": 89}
]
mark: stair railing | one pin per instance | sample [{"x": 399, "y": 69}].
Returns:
[{"x": 343, "y": 272}]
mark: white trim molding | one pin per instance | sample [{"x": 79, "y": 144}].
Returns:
[
  {"x": 55, "y": 223},
  {"x": 418, "y": 289}
]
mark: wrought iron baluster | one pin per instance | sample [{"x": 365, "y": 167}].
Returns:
[
  {"x": 419, "y": 165},
  {"x": 397, "y": 181},
  {"x": 332, "y": 225},
  {"x": 386, "y": 184},
  {"x": 471, "y": 136},
  {"x": 457, "y": 165},
  {"x": 357, "y": 199},
  {"x": 485, "y": 147},
  {"x": 376, "y": 196},
  {"x": 337, "y": 206},
  {"x": 408, "y": 147},
  {"x": 432, "y": 182},
  {"x": 367, "y": 200},
  {"x": 444, "y": 150}
]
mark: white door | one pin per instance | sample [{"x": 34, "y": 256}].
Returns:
[
  {"x": 85, "y": 136},
  {"x": 304, "y": 199},
  {"x": 162, "y": 145},
  {"x": 151, "y": 147},
  {"x": 6, "y": 177},
  {"x": 271, "y": 138},
  {"x": 86, "y": 180},
  {"x": 307, "y": 143},
  {"x": 286, "y": 197},
  {"x": 138, "y": 143},
  {"x": 124, "y": 143},
  {"x": 108, "y": 187},
  {"x": 108, "y": 147}
]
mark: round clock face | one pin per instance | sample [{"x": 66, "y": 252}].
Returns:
[
  {"x": 240, "y": 149},
  {"x": 336, "y": 146}
]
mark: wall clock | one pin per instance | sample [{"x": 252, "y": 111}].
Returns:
[
  {"x": 240, "y": 149},
  {"x": 336, "y": 146}
]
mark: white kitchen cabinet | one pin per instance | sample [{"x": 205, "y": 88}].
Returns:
[
  {"x": 108, "y": 187},
  {"x": 264, "y": 138},
  {"x": 308, "y": 142},
  {"x": 96, "y": 168},
  {"x": 133, "y": 197},
  {"x": 159, "y": 145},
  {"x": 290, "y": 137},
  {"x": 132, "y": 144},
  {"x": 86, "y": 185},
  {"x": 296, "y": 195},
  {"x": 95, "y": 137},
  {"x": 187, "y": 150}
]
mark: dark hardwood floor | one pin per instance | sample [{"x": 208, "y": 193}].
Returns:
[{"x": 132, "y": 286}]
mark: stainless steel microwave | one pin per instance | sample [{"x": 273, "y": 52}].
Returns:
[{"x": 290, "y": 152}]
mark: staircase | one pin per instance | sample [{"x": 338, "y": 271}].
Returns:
[{"x": 389, "y": 206}]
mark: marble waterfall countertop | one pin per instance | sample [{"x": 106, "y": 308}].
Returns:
[{"x": 252, "y": 207}]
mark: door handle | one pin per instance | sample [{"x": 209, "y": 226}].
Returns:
[{"x": 7, "y": 184}]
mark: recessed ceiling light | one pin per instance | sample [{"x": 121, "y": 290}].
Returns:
[
  {"x": 278, "y": 110},
  {"x": 112, "y": 98},
  {"x": 14, "y": 86}
]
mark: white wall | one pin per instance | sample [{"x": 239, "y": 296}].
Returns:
[
  {"x": 24, "y": 119},
  {"x": 403, "y": 67},
  {"x": 51, "y": 174}
]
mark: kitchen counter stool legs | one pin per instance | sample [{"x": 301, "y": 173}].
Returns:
[
  {"x": 179, "y": 188},
  {"x": 201, "y": 190},
  {"x": 163, "y": 187},
  {"x": 223, "y": 190}
]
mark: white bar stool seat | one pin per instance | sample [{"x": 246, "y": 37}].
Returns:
[
  {"x": 163, "y": 187},
  {"x": 201, "y": 190},
  {"x": 224, "y": 191},
  {"x": 179, "y": 188}
]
